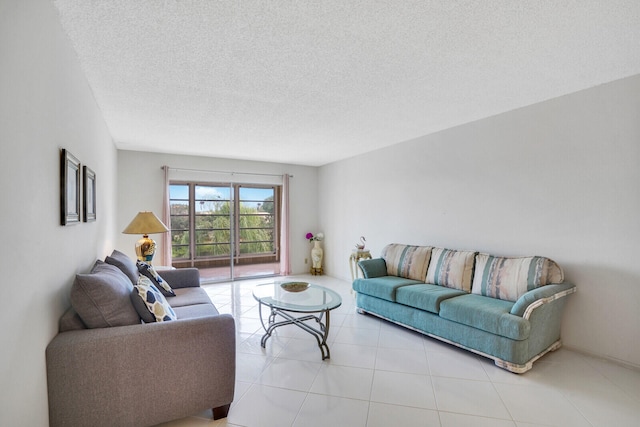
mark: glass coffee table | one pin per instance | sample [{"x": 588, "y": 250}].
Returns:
[{"x": 297, "y": 303}]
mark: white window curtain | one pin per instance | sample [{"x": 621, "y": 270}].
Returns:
[{"x": 285, "y": 263}]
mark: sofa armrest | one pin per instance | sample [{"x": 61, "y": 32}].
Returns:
[
  {"x": 542, "y": 295},
  {"x": 141, "y": 374},
  {"x": 181, "y": 277},
  {"x": 371, "y": 268}
]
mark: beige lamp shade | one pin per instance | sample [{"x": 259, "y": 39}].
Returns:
[{"x": 145, "y": 223}]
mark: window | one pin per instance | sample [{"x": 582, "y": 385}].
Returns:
[
  {"x": 206, "y": 231},
  {"x": 180, "y": 213},
  {"x": 256, "y": 223},
  {"x": 212, "y": 221}
]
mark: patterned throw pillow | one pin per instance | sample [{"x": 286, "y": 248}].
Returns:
[
  {"x": 509, "y": 278},
  {"x": 154, "y": 300},
  {"x": 407, "y": 261},
  {"x": 150, "y": 272},
  {"x": 453, "y": 269}
]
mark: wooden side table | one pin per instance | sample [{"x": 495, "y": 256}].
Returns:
[{"x": 357, "y": 255}]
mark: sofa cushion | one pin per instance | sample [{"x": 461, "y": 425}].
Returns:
[
  {"x": 510, "y": 278},
  {"x": 101, "y": 298},
  {"x": 425, "y": 296},
  {"x": 407, "y": 261},
  {"x": 485, "y": 313},
  {"x": 382, "y": 287},
  {"x": 150, "y": 272},
  {"x": 153, "y": 300},
  {"x": 196, "y": 310},
  {"x": 450, "y": 268},
  {"x": 125, "y": 264},
  {"x": 189, "y": 296}
]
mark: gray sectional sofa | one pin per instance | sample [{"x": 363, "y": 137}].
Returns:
[
  {"x": 108, "y": 367},
  {"x": 506, "y": 309}
]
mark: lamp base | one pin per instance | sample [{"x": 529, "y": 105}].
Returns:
[{"x": 145, "y": 249}]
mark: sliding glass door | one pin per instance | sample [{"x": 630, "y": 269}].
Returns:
[
  {"x": 256, "y": 248},
  {"x": 227, "y": 231}
]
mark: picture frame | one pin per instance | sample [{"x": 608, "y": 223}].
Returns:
[
  {"x": 70, "y": 186},
  {"x": 89, "y": 193}
]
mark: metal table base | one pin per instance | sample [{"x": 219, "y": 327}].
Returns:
[{"x": 320, "y": 334}]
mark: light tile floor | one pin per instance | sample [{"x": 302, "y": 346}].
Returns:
[{"x": 380, "y": 375}]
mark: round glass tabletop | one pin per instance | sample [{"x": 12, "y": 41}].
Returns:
[{"x": 299, "y": 297}]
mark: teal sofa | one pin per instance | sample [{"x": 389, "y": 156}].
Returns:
[{"x": 505, "y": 308}]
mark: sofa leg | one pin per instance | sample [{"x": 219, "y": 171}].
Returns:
[{"x": 221, "y": 411}]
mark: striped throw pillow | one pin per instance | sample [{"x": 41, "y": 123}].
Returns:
[
  {"x": 509, "y": 278},
  {"x": 451, "y": 268},
  {"x": 407, "y": 261}
]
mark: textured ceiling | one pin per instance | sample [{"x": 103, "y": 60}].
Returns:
[{"x": 312, "y": 82}]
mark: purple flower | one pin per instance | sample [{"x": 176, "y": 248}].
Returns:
[{"x": 310, "y": 237}]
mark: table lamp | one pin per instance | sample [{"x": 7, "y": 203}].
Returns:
[{"x": 145, "y": 223}]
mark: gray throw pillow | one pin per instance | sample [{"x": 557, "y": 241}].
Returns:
[
  {"x": 125, "y": 264},
  {"x": 101, "y": 298}
]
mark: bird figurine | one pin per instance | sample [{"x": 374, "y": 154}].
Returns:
[{"x": 360, "y": 246}]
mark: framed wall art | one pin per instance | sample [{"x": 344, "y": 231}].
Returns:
[
  {"x": 89, "y": 199},
  {"x": 70, "y": 185}
]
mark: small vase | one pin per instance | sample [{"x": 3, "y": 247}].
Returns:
[{"x": 316, "y": 255}]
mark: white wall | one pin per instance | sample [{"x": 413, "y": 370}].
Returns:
[
  {"x": 140, "y": 188},
  {"x": 45, "y": 105},
  {"x": 558, "y": 179}
]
